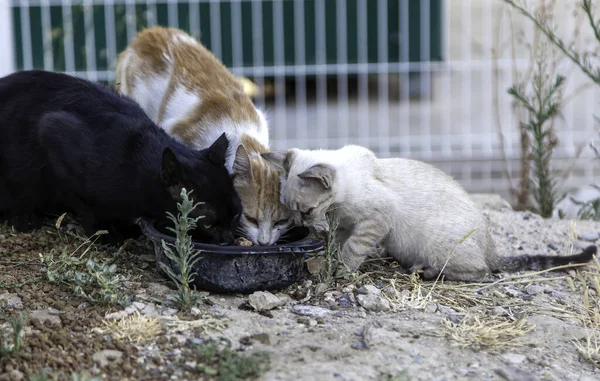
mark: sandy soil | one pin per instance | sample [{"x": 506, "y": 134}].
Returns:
[{"x": 384, "y": 325}]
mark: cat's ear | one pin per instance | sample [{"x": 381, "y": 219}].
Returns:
[
  {"x": 242, "y": 166},
  {"x": 218, "y": 150},
  {"x": 322, "y": 174},
  {"x": 170, "y": 173},
  {"x": 282, "y": 160}
]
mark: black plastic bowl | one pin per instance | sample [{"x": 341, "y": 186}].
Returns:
[{"x": 240, "y": 268}]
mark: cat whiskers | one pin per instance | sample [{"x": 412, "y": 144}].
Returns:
[{"x": 241, "y": 232}]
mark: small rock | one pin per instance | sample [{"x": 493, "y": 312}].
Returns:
[
  {"x": 500, "y": 311},
  {"x": 169, "y": 311},
  {"x": 140, "y": 306},
  {"x": 17, "y": 375},
  {"x": 558, "y": 294},
  {"x": 591, "y": 237},
  {"x": 49, "y": 314},
  {"x": 514, "y": 374},
  {"x": 158, "y": 289},
  {"x": 374, "y": 303},
  {"x": 312, "y": 323},
  {"x": 264, "y": 301},
  {"x": 320, "y": 288},
  {"x": 348, "y": 289},
  {"x": 312, "y": 311},
  {"x": 149, "y": 310},
  {"x": 9, "y": 301},
  {"x": 129, "y": 310},
  {"x": 446, "y": 310},
  {"x": 107, "y": 356},
  {"x": 431, "y": 308},
  {"x": 369, "y": 289},
  {"x": 552, "y": 247},
  {"x": 490, "y": 201},
  {"x": 580, "y": 245},
  {"x": 533, "y": 289},
  {"x": 512, "y": 292},
  {"x": 116, "y": 315},
  {"x": 345, "y": 302},
  {"x": 514, "y": 358},
  {"x": 83, "y": 306}
]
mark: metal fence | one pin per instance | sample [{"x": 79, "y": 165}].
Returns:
[{"x": 420, "y": 79}]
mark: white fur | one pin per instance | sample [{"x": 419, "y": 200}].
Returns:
[
  {"x": 179, "y": 106},
  {"x": 411, "y": 209}
]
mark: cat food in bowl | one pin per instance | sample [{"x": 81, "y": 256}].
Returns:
[{"x": 241, "y": 268}]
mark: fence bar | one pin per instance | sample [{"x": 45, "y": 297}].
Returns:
[{"x": 7, "y": 58}]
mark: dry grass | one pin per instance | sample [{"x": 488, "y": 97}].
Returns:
[
  {"x": 137, "y": 328},
  {"x": 205, "y": 323},
  {"x": 134, "y": 328},
  {"x": 489, "y": 332},
  {"x": 481, "y": 327}
]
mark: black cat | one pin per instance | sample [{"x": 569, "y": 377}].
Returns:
[{"x": 67, "y": 144}]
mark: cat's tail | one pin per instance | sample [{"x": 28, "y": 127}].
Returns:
[{"x": 544, "y": 262}]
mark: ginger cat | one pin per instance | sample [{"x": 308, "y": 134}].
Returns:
[
  {"x": 188, "y": 92},
  {"x": 410, "y": 209}
]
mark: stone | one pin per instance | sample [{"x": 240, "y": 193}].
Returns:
[
  {"x": 514, "y": 358},
  {"x": 500, "y": 311},
  {"x": 312, "y": 311},
  {"x": 107, "y": 356},
  {"x": 589, "y": 236},
  {"x": 369, "y": 289},
  {"x": 490, "y": 201},
  {"x": 49, "y": 314},
  {"x": 149, "y": 310},
  {"x": 264, "y": 301},
  {"x": 321, "y": 288},
  {"x": 158, "y": 289},
  {"x": 533, "y": 289},
  {"x": 116, "y": 315},
  {"x": 580, "y": 245},
  {"x": 514, "y": 374},
  {"x": 374, "y": 302},
  {"x": 169, "y": 311},
  {"x": 10, "y": 301}
]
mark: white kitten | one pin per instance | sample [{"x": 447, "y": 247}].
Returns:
[{"x": 411, "y": 209}]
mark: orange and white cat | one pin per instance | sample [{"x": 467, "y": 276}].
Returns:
[{"x": 187, "y": 91}]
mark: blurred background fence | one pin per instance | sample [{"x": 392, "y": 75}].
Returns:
[{"x": 419, "y": 79}]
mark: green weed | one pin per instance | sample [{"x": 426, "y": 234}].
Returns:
[
  {"x": 183, "y": 254},
  {"x": 216, "y": 358}
]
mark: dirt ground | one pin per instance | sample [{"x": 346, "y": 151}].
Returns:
[{"x": 382, "y": 325}]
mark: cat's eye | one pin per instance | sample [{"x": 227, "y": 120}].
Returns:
[
  {"x": 207, "y": 226},
  {"x": 282, "y": 222},
  {"x": 251, "y": 220}
]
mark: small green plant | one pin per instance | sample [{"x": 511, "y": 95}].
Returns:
[
  {"x": 17, "y": 341},
  {"x": 543, "y": 105},
  {"x": 91, "y": 278},
  {"x": 183, "y": 256},
  {"x": 585, "y": 61},
  {"x": 216, "y": 358}
]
